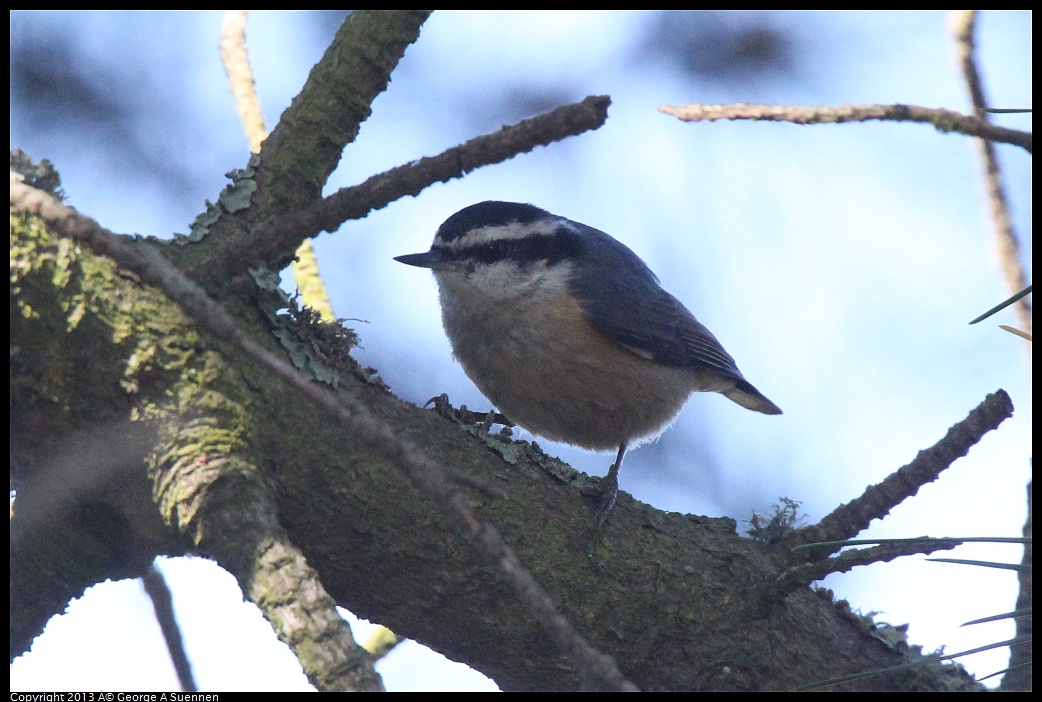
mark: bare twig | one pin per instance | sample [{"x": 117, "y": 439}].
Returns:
[
  {"x": 410, "y": 179},
  {"x": 596, "y": 669},
  {"x": 308, "y": 142},
  {"x": 877, "y": 501},
  {"x": 163, "y": 604},
  {"x": 236, "y": 62},
  {"x": 943, "y": 120},
  {"x": 285, "y": 233},
  {"x": 962, "y": 23},
  {"x": 326, "y": 115},
  {"x": 761, "y": 599}
]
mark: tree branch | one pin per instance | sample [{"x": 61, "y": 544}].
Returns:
[
  {"x": 1007, "y": 242},
  {"x": 876, "y": 502},
  {"x": 236, "y": 61},
  {"x": 274, "y": 238},
  {"x": 307, "y": 143},
  {"x": 425, "y": 475},
  {"x": 664, "y": 592},
  {"x": 942, "y": 120},
  {"x": 163, "y": 604}
]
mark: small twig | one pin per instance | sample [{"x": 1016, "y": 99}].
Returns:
[
  {"x": 877, "y": 501},
  {"x": 943, "y": 120},
  {"x": 236, "y": 62},
  {"x": 285, "y": 233},
  {"x": 761, "y": 599},
  {"x": 954, "y": 540},
  {"x": 963, "y": 23},
  {"x": 163, "y": 604},
  {"x": 410, "y": 179},
  {"x": 978, "y": 563},
  {"x": 1012, "y": 330}
]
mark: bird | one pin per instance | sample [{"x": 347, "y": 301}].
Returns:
[{"x": 569, "y": 333}]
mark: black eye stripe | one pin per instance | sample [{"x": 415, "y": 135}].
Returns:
[{"x": 552, "y": 248}]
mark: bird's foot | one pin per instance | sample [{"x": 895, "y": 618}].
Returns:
[{"x": 608, "y": 488}]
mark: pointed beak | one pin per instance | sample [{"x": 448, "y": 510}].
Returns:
[{"x": 428, "y": 259}]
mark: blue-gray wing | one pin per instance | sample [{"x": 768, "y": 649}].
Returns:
[{"x": 623, "y": 300}]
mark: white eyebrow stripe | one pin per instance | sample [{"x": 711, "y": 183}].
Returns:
[{"x": 514, "y": 231}]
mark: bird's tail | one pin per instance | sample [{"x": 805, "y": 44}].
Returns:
[{"x": 749, "y": 397}]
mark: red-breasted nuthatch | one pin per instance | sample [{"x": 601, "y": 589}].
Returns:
[{"x": 568, "y": 332}]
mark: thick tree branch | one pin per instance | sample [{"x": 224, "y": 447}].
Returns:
[
  {"x": 306, "y": 145},
  {"x": 427, "y": 476},
  {"x": 665, "y": 593},
  {"x": 204, "y": 480}
]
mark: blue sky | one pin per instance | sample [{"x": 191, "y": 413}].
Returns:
[{"x": 839, "y": 265}]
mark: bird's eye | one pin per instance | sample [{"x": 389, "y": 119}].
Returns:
[
  {"x": 520, "y": 251},
  {"x": 493, "y": 252}
]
